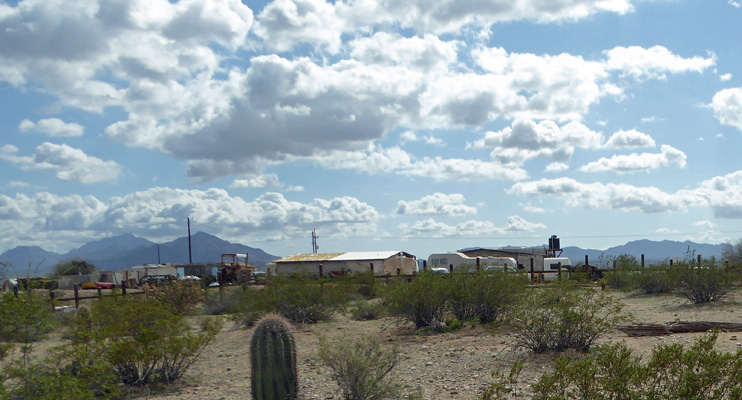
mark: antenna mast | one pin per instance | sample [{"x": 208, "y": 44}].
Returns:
[{"x": 315, "y": 247}]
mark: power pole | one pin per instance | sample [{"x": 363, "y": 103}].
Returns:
[
  {"x": 315, "y": 247},
  {"x": 190, "y": 257}
]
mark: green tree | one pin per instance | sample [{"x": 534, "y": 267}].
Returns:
[{"x": 73, "y": 267}]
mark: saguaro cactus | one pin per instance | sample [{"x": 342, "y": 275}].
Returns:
[{"x": 273, "y": 361}]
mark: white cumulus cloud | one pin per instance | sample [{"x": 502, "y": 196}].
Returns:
[
  {"x": 436, "y": 204},
  {"x": 160, "y": 213},
  {"x": 264, "y": 181},
  {"x": 435, "y": 228},
  {"x": 629, "y": 139},
  {"x": 526, "y": 140},
  {"x": 71, "y": 164},
  {"x": 654, "y": 63},
  {"x": 609, "y": 196},
  {"x": 727, "y": 105},
  {"x": 638, "y": 162},
  {"x": 52, "y": 127}
]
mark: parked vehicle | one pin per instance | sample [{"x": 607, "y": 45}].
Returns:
[
  {"x": 440, "y": 271},
  {"x": 104, "y": 285},
  {"x": 156, "y": 280},
  {"x": 459, "y": 261},
  {"x": 235, "y": 269},
  {"x": 550, "y": 270}
]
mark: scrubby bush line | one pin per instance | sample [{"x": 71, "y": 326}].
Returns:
[{"x": 613, "y": 372}]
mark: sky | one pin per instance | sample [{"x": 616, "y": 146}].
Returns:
[{"x": 420, "y": 126}]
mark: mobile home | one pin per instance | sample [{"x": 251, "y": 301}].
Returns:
[{"x": 457, "y": 261}]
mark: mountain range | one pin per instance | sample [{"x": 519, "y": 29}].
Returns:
[
  {"x": 127, "y": 250},
  {"x": 653, "y": 251}
]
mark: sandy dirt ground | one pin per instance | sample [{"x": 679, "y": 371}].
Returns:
[{"x": 455, "y": 365}]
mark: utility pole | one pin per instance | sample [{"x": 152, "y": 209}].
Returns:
[
  {"x": 190, "y": 256},
  {"x": 315, "y": 247}
]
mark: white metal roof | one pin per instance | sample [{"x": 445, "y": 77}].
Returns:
[
  {"x": 366, "y": 255},
  {"x": 349, "y": 256}
]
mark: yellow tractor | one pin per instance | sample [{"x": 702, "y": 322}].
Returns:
[{"x": 235, "y": 269}]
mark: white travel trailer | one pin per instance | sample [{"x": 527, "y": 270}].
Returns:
[
  {"x": 457, "y": 261},
  {"x": 550, "y": 269}
]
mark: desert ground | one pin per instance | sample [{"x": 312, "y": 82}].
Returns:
[{"x": 454, "y": 365}]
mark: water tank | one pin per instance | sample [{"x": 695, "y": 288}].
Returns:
[{"x": 554, "y": 243}]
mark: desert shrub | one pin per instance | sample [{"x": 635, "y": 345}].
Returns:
[
  {"x": 304, "y": 300},
  {"x": 702, "y": 285},
  {"x": 182, "y": 297},
  {"x": 25, "y": 319},
  {"x": 246, "y": 307},
  {"x": 361, "y": 368},
  {"x": 366, "y": 310},
  {"x": 503, "y": 386},
  {"x": 622, "y": 280},
  {"x": 563, "y": 316},
  {"x": 484, "y": 296},
  {"x": 67, "y": 370},
  {"x": 672, "y": 372},
  {"x": 144, "y": 341},
  {"x": 653, "y": 280},
  {"x": 359, "y": 285},
  {"x": 219, "y": 302},
  {"x": 423, "y": 301}
]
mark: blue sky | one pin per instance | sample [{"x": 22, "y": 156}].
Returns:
[{"x": 384, "y": 125}]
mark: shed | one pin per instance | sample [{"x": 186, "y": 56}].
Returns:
[{"x": 320, "y": 264}]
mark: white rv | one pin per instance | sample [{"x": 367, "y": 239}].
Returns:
[
  {"x": 550, "y": 269},
  {"x": 458, "y": 261}
]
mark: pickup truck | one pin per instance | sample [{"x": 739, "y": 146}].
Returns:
[{"x": 105, "y": 285}]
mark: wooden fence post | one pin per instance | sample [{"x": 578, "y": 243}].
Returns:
[
  {"x": 51, "y": 297},
  {"x": 123, "y": 288},
  {"x": 642, "y": 260},
  {"x": 532, "y": 275},
  {"x": 77, "y": 297}
]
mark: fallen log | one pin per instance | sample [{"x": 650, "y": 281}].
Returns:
[{"x": 647, "y": 329}]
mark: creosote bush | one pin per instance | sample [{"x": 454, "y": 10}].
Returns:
[
  {"x": 483, "y": 296},
  {"x": 304, "y": 300},
  {"x": 23, "y": 321},
  {"x": 422, "y": 301},
  {"x": 702, "y": 285},
  {"x": 362, "y": 369},
  {"x": 563, "y": 316},
  {"x": 672, "y": 372},
  {"x": 144, "y": 341},
  {"x": 654, "y": 280},
  {"x": 182, "y": 297},
  {"x": 366, "y": 310}
]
